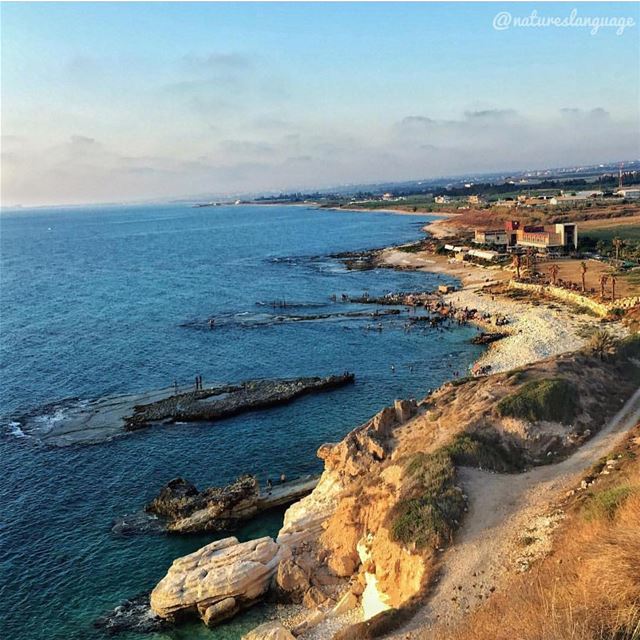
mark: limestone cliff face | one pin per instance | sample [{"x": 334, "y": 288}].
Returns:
[{"x": 340, "y": 529}]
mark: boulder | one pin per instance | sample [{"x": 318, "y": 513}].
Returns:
[
  {"x": 218, "y": 580},
  {"x": 269, "y": 631},
  {"x": 314, "y": 597},
  {"x": 291, "y": 580}
]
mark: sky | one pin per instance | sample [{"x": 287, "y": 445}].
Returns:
[{"x": 114, "y": 102}]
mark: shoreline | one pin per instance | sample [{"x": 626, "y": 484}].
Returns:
[{"x": 537, "y": 330}]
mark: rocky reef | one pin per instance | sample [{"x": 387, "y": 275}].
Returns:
[
  {"x": 181, "y": 508},
  {"x": 187, "y": 510},
  {"x": 226, "y": 401}
]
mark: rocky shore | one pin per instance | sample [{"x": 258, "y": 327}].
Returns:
[
  {"x": 181, "y": 508},
  {"x": 223, "y": 402}
]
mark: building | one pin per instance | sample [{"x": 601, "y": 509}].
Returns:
[
  {"x": 576, "y": 196},
  {"x": 489, "y": 256},
  {"x": 556, "y": 236},
  {"x": 473, "y": 199},
  {"x": 630, "y": 193},
  {"x": 442, "y": 199},
  {"x": 504, "y": 203},
  {"x": 497, "y": 236}
]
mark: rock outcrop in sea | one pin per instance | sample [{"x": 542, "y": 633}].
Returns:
[
  {"x": 187, "y": 510},
  {"x": 218, "y": 580},
  {"x": 226, "y": 401}
]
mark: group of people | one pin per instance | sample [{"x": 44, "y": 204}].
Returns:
[{"x": 283, "y": 479}]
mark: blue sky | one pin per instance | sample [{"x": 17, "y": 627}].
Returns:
[{"x": 110, "y": 102}]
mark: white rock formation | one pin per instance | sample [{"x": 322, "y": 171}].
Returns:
[{"x": 218, "y": 580}]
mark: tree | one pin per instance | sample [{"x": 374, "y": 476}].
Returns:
[
  {"x": 618, "y": 243},
  {"x": 604, "y": 278},
  {"x": 553, "y": 271},
  {"x": 613, "y": 287},
  {"x": 602, "y": 344},
  {"x": 517, "y": 263},
  {"x": 583, "y": 269}
]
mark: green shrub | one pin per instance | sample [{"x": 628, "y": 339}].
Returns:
[
  {"x": 432, "y": 506},
  {"x": 475, "y": 450},
  {"x": 605, "y": 503},
  {"x": 552, "y": 399}
]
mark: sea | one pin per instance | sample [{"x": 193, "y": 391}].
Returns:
[{"x": 110, "y": 300}]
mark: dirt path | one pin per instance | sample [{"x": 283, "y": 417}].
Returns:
[{"x": 508, "y": 524}]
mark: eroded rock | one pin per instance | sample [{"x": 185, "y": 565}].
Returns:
[{"x": 218, "y": 580}]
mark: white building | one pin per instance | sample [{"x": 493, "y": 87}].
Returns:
[{"x": 630, "y": 193}]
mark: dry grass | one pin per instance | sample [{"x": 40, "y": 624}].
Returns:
[{"x": 589, "y": 587}]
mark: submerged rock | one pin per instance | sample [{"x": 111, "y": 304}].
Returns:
[
  {"x": 218, "y": 580},
  {"x": 133, "y": 615}
]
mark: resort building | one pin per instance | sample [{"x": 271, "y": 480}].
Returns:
[
  {"x": 557, "y": 236},
  {"x": 442, "y": 199},
  {"x": 497, "y": 236},
  {"x": 473, "y": 199}
]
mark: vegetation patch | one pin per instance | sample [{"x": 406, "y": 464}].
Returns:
[
  {"x": 550, "y": 399},
  {"x": 629, "y": 347},
  {"x": 605, "y": 503},
  {"x": 485, "y": 452},
  {"x": 432, "y": 507}
]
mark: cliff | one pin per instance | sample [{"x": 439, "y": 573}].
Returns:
[{"x": 373, "y": 533}]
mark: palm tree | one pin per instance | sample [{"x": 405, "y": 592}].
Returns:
[
  {"x": 517, "y": 263},
  {"x": 618, "y": 243},
  {"x": 604, "y": 278},
  {"x": 554, "y": 270},
  {"x": 583, "y": 268},
  {"x": 602, "y": 344}
]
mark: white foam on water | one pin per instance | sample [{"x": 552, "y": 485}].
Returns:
[
  {"x": 47, "y": 422},
  {"x": 15, "y": 430}
]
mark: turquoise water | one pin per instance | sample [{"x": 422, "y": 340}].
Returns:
[{"x": 93, "y": 301}]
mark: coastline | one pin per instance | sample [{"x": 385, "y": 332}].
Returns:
[{"x": 535, "y": 331}]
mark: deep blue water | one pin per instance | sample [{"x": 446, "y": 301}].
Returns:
[{"x": 92, "y": 303}]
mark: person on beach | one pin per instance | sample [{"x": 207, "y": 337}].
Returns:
[
  {"x": 175, "y": 387},
  {"x": 196, "y": 383},
  {"x": 269, "y": 486},
  {"x": 283, "y": 478}
]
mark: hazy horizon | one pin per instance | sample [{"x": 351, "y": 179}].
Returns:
[{"x": 106, "y": 103}]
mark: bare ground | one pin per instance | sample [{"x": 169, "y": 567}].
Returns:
[{"x": 508, "y": 525}]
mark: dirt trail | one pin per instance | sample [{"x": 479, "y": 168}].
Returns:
[{"x": 507, "y": 525}]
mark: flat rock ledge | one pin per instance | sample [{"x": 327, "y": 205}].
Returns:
[
  {"x": 218, "y": 580},
  {"x": 226, "y": 401}
]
